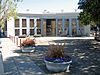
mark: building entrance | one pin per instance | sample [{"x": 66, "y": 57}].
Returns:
[{"x": 50, "y": 27}]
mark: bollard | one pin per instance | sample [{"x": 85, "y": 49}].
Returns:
[
  {"x": 17, "y": 41},
  {"x": 20, "y": 43},
  {"x": 1, "y": 65}
]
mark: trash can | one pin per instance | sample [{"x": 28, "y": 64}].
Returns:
[{"x": 1, "y": 65}]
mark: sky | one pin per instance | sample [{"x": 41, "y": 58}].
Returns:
[{"x": 51, "y": 6}]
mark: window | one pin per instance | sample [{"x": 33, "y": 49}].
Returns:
[
  {"x": 31, "y": 31},
  {"x": 17, "y": 32},
  {"x": 60, "y": 26},
  {"x": 73, "y": 22},
  {"x": 39, "y": 31},
  {"x": 39, "y": 23},
  {"x": 17, "y": 23},
  {"x": 23, "y": 22},
  {"x": 38, "y": 26},
  {"x": 24, "y": 31},
  {"x": 31, "y": 22}
]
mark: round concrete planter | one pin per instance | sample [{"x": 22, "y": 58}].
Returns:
[
  {"x": 57, "y": 67},
  {"x": 28, "y": 49}
]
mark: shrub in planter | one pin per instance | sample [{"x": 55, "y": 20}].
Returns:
[
  {"x": 56, "y": 59},
  {"x": 28, "y": 45}
]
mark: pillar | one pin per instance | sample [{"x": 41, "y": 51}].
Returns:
[
  {"x": 28, "y": 26},
  {"x": 35, "y": 26},
  {"x": 56, "y": 27},
  {"x": 63, "y": 26},
  {"x": 70, "y": 27},
  {"x": 77, "y": 22},
  {"x": 42, "y": 33},
  {"x": 20, "y": 20}
]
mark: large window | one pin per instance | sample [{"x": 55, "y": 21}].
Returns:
[
  {"x": 74, "y": 26},
  {"x": 60, "y": 26},
  {"x": 24, "y": 31},
  {"x": 67, "y": 26},
  {"x": 17, "y": 32},
  {"x": 31, "y": 31},
  {"x": 74, "y": 23},
  {"x": 23, "y": 22},
  {"x": 39, "y": 23},
  {"x": 31, "y": 22},
  {"x": 17, "y": 23},
  {"x": 38, "y": 26}
]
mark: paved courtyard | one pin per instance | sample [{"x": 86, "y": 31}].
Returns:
[{"x": 85, "y": 55}]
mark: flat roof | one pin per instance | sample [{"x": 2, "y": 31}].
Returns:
[{"x": 73, "y": 14}]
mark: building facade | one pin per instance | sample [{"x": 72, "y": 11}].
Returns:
[{"x": 57, "y": 24}]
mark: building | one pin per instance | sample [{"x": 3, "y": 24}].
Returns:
[{"x": 57, "y": 24}]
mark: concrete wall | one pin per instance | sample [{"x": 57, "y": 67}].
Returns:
[
  {"x": 1, "y": 65},
  {"x": 85, "y": 30},
  {"x": 10, "y": 27}
]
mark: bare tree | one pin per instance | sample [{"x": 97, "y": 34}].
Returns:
[{"x": 7, "y": 9}]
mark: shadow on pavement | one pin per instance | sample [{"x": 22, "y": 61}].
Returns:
[{"x": 85, "y": 56}]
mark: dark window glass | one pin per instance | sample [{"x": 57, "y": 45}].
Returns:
[
  {"x": 17, "y": 32},
  {"x": 23, "y": 22},
  {"x": 31, "y": 31},
  {"x": 31, "y": 22},
  {"x": 17, "y": 23},
  {"x": 24, "y": 31}
]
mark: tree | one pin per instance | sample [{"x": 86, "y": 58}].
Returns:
[
  {"x": 91, "y": 12},
  {"x": 7, "y": 9}
]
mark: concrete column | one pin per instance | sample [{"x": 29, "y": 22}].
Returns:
[
  {"x": 20, "y": 20},
  {"x": 77, "y": 22},
  {"x": 28, "y": 26},
  {"x": 42, "y": 33},
  {"x": 56, "y": 27},
  {"x": 63, "y": 26},
  {"x": 70, "y": 27},
  {"x": 35, "y": 26}
]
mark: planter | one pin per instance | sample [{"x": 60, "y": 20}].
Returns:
[
  {"x": 57, "y": 67},
  {"x": 28, "y": 49}
]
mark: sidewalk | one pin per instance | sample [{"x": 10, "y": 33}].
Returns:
[{"x": 14, "y": 63}]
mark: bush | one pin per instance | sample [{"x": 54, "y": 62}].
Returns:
[
  {"x": 57, "y": 54},
  {"x": 28, "y": 42}
]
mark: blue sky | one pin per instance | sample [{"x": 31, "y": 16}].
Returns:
[{"x": 53, "y": 6}]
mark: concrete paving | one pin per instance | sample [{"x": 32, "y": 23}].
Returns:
[
  {"x": 14, "y": 63},
  {"x": 17, "y": 63}
]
